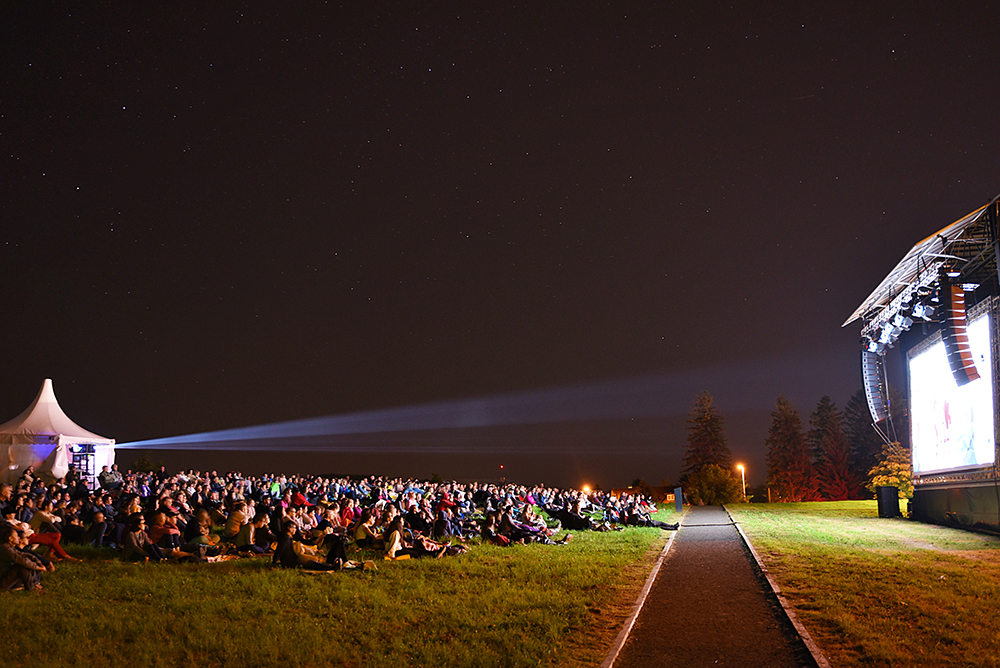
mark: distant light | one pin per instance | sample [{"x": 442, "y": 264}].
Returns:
[
  {"x": 969, "y": 287},
  {"x": 586, "y": 489}
]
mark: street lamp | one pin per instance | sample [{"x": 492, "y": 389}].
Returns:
[{"x": 743, "y": 475}]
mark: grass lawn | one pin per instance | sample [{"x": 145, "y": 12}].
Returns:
[
  {"x": 516, "y": 606},
  {"x": 882, "y": 592}
]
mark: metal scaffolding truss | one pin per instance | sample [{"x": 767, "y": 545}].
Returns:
[{"x": 965, "y": 250}]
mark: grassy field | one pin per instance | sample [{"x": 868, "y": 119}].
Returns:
[
  {"x": 517, "y": 606},
  {"x": 882, "y": 592}
]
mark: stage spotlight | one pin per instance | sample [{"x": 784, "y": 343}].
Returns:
[
  {"x": 902, "y": 322},
  {"x": 873, "y": 346},
  {"x": 906, "y": 306},
  {"x": 969, "y": 287},
  {"x": 923, "y": 311}
]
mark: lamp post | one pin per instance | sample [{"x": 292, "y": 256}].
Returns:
[{"x": 743, "y": 475}]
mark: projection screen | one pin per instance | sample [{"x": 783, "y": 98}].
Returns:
[{"x": 951, "y": 427}]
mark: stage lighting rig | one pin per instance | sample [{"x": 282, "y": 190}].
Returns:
[{"x": 915, "y": 301}]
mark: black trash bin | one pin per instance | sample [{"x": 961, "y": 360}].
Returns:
[{"x": 888, "y": 501}]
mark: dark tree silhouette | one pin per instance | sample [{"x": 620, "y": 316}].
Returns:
[
  {"x": 789, "y": 468},
  {"x": 706, "y": 438},
  {"x": 837, "y": 477},
  {"x": 864, "y": 442},
  {"x": 826, "y": 412}
]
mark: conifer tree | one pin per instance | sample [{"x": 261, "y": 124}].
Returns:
[
  {"x": 789, "y": 469},
  {"x": 830, "y": 449},
  {"x": 706, "y": 438},
  {"x": 865, "y": 443},
  {"x": 826, "y": 412}
]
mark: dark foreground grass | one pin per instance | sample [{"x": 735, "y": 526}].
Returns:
[
  {"x": 516, "y": 606},
  {"x": 882, "y": 592}
]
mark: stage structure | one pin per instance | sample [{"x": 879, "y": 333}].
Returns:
[{"x": 937, "y": 310}]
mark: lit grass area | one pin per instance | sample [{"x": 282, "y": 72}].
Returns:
[
  {"x": 882, "y": 592},
  {"x": 516, "y": 606}
]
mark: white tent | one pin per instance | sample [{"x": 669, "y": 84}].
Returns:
[{"x": 44, "y": 437}]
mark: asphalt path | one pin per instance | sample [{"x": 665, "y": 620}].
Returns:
[{"x": 709, "y": 606}]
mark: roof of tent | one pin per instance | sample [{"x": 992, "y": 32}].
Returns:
[{"x": 44, "y": 417}]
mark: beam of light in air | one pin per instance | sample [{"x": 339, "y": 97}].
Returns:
[{"x": 455, "y": 426}]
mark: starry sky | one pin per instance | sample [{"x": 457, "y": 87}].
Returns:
[{"x": 218, "y": 215}]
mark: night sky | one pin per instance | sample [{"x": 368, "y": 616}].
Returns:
[{"x": 225, "y": 215}]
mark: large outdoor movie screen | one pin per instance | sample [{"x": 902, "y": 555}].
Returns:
[{"x": 952, "y": 426}]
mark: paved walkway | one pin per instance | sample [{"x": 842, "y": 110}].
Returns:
[{"x": 709, "y": 607}]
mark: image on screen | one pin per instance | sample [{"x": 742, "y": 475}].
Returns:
[{"x": 952, "y": 426}]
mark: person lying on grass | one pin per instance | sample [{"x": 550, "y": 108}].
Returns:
[
  {"x": 638, "y": 517},
  {"x": 396, "y": 545},
  {"x": 19, "y": 568},
  {"x": 504, "y": 526},
  {"x": 572, "y": 517},
  {"x": 292, "y": 553}
]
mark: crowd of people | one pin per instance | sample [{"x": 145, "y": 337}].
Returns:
[{"x": 310, "y": 522}]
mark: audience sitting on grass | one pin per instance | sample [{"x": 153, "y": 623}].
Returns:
[{"x": 308, "y": 521}]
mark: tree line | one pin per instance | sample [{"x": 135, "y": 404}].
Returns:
[{"x": 839, "y": 456}]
